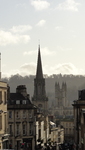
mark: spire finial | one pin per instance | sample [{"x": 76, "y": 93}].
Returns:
[{"x": 39, "y": 44}]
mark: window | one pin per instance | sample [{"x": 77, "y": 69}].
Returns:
[
  {"x": 17, "y": 131},
  {"x": 0, "y": 96},
  {"x": 17, "y": 114},
  {"x": 10, "y": 129},
  {"x": 24, "y": 102},
  {"x": 39, "y": 89},
  {"x": 66, "y": 130},
  {"x": 24, "y": 129},
  {"x": 17, "y": 101},
  {"x": 5, "y": 123},
  {"x": 40, "y": 133},
  {"x": 30, "y": 128},
  {"x": 5, "y": 97},
  {"x": 0, "y": 122},
  {"x": 30, "y": 113},
  {"x": 24, "y": 114},
  {"x": 10, "y": 114}
]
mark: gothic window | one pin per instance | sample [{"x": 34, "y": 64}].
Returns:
[{"x": 39, "y": 89}]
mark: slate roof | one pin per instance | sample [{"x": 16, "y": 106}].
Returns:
[{"x": 17, "y": 96}]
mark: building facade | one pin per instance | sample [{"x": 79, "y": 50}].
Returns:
[
  {"x": 4, "y": 136},
  {"x": 79, "y": 121},
  {"x": 68, "y": 125},
  {"x": 21, "y": 120},
  {"x": 61, "y": 107}
]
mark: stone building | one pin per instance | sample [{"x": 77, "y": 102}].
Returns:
[
  {"x": 79, "y": 121},
  {"x": 39, "y": 98},
  {"x": 57, "y": 136},
  {"x": 4, "y": 136},
  {"x": 61, "y": 95},
  {"x": 42, "y": 129},
  {"x": 21, "y": 119},
  {"x": 61, "y": 107},
  {"x": 68, "y": 125}
]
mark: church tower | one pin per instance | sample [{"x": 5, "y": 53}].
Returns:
[
  {"x": 61, "y": 95},
  {"x": 39, "y": 98}
]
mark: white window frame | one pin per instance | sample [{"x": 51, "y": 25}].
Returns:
[
  {"x": 24, "y": 102},
  {"x": 17, "y": 102}
]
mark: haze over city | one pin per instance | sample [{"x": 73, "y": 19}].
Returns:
[{"x": 58, "y": 26}]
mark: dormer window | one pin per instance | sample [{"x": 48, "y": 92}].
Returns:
[
  {"x": 24, "y": 102},
  {"x": 17, "y": 101}
]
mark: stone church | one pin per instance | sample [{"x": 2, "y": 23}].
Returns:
[
  {"x": 39, "y": 98},
  {"x": 61, "y": 95},
  {"x": 61, "y": 107}
]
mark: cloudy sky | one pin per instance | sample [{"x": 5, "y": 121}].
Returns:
[{"x": 59, "y": 27}]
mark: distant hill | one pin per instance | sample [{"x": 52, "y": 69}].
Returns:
[{"x": 74, "y": 83}]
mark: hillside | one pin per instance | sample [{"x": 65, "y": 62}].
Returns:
[{"x": 74, "y": 83}]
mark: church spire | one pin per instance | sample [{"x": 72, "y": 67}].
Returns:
[{"x": 39, "y": 73}]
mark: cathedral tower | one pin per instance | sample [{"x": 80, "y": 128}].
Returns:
[
  {"x": 39, "y": 97},
  {"x": 61, "y": 95}
]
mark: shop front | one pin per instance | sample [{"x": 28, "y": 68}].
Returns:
[{"x": 28, "y": 143}]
